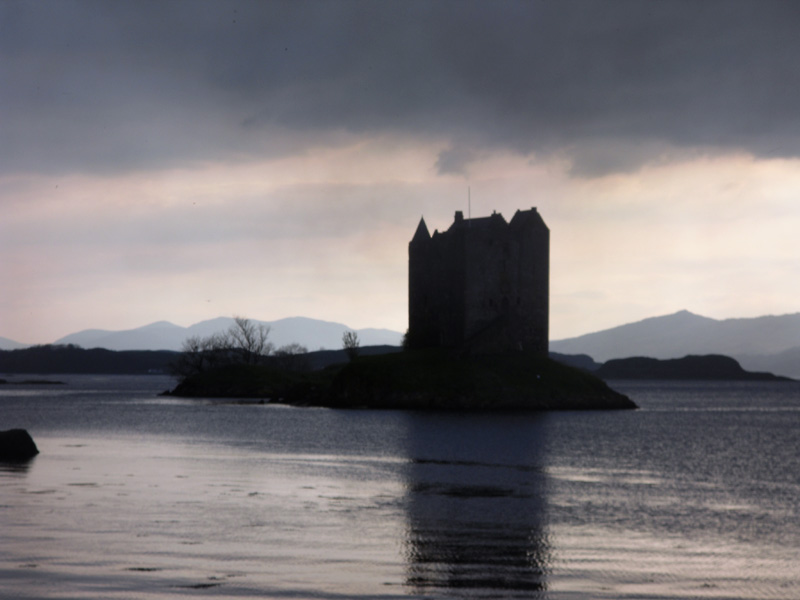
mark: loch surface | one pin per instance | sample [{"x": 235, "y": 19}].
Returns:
[{"x": 695, "y": 495}]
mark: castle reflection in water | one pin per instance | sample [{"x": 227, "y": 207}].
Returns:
[{"x": 476, "y": 512}]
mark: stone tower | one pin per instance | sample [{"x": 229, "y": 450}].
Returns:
[{"x": 482, "y": 285}]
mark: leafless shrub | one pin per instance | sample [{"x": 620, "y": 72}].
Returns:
[{"x": 350, "y": 343}]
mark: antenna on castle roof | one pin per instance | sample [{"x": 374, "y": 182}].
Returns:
[{"x": 469, "y": 203}]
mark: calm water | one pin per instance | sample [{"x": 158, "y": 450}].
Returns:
[{"x": 696, "y": 495}]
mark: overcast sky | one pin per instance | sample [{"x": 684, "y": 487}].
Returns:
[{"x": 186, "y": 160}]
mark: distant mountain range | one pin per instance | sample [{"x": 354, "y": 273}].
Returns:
[
  {"x": 311, "y": 333},
  {"x": 770, "y": 343}
]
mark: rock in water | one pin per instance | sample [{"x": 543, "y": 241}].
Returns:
[{"x": 17, "y": 444}]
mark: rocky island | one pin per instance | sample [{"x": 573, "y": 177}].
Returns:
[{"x": 430, "y": 379}]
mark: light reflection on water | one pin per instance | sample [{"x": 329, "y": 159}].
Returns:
[{"x": 135, "y": 496}]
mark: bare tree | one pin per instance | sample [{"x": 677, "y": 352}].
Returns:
[
  {"x": 249, "y": 340},
  {"x": 350, "y": 344},
  {"x": 244, "y": 342}
]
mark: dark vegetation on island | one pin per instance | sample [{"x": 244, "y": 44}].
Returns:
[
  {"x": 438, "y": 378},
  {"x": 415, "y": 379}
]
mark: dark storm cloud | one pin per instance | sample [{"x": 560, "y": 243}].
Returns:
[{"x": 119, "y": 85}]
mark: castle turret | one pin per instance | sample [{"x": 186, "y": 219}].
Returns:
[{"x": 422, "y": 232}]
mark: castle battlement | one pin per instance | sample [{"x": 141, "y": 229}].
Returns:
[{"x": 482, "y": 284}]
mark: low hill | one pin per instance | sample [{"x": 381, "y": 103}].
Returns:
[{"x": 709, "y": 367}]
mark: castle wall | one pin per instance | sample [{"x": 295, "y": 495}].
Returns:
[
  {"x": 490, "y": 283},
  {"x": 436, "y": 283}
]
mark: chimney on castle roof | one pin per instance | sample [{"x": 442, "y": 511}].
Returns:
[{"x": 459, "y": 216}]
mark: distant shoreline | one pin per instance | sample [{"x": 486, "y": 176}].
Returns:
[
  {"x": 710, "y": 367},
  {"x": 31, "y": 382},
  {"x": 62, "y": 360}
]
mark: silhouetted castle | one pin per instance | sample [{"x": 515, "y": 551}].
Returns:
[{"x": 483, "y": 284}]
